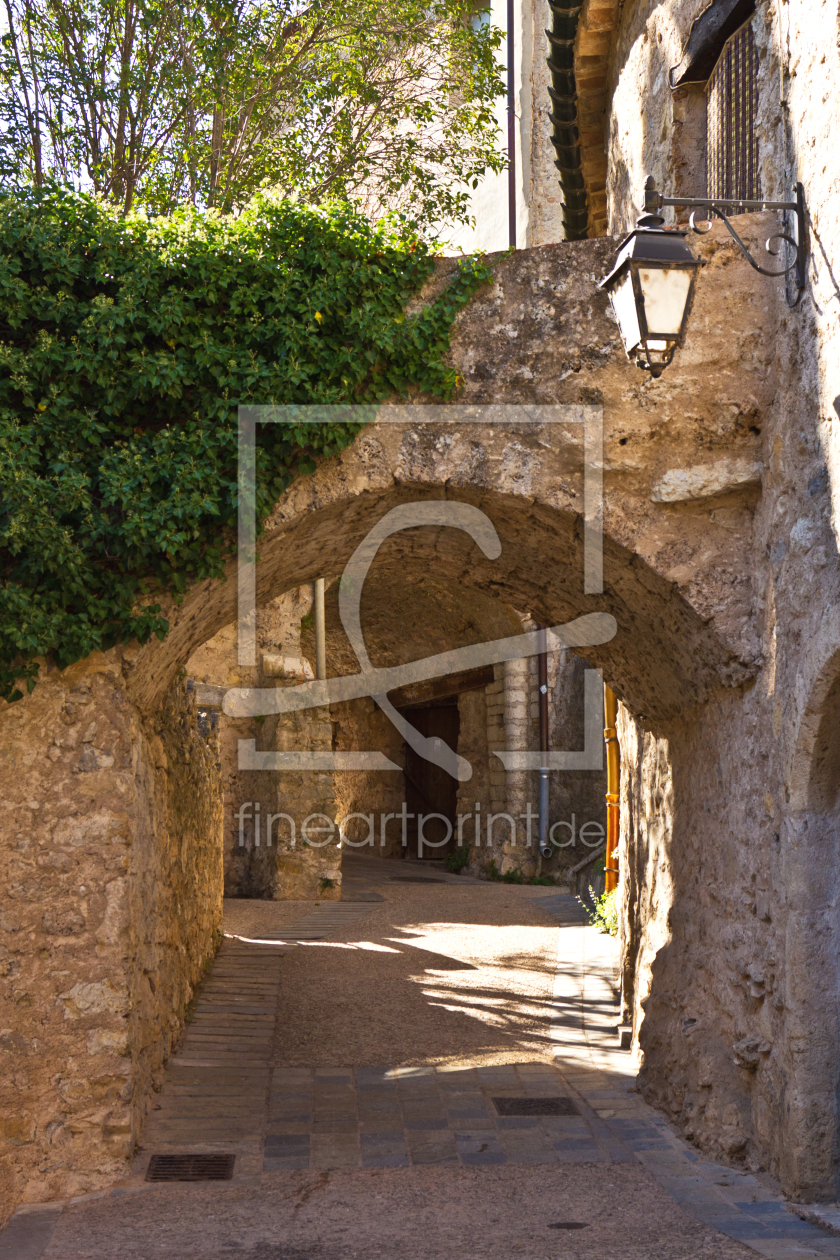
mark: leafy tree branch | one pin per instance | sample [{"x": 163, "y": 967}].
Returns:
[{"x": 157, "y": 103}]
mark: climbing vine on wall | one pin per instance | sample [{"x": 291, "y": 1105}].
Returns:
[{"x": 126, "y": 345}]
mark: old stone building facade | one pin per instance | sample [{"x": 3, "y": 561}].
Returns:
[
  {"x": 496, "y": 708},
  {"x": 119, "y": 783}
]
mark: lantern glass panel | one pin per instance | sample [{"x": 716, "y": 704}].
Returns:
[
  {"x": 624, "y": 304},
  {"x": 666, "y": 293}
]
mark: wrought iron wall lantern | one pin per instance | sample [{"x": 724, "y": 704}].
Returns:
[{"x": 652, "y": 283}]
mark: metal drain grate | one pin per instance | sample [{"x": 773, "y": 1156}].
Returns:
[
  {"x": 556, "y": 1106},
  {"x": 415, "y": 879},
  {"x": 190, "y": 1168}
]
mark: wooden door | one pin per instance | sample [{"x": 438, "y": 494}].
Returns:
[{"x": 428, "y": 788}]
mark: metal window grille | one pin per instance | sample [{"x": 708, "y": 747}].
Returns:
[{"x": 731, "y": 120}]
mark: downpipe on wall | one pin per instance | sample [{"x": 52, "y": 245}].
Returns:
[{"x": 542, "y": 663}]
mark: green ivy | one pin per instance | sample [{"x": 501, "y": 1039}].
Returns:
[{"x": 126, "y": 345}]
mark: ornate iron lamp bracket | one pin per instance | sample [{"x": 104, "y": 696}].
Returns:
[{"x": 654, "y": 201}]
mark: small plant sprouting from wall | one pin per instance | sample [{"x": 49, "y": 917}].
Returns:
[
  {"x": 605, "y": 914},
  {"x": 457, "y": 860},
  {"x": 516, "y": 877}
]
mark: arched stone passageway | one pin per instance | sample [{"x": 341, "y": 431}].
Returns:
[
  {"x": 121, "y": 779},
  {"x": 136, "y": 785},
  {"x": 667, "y": 651},
  {"x": 431, "y": 589},
  {"x": 721, "y": 569}
]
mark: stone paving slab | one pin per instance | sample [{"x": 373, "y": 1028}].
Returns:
[
  {"x": 216, "y": 1084},
  {"x": 320, "y": 923},
  {"x": 826, "y": 1215},
  {"x": 423, "y": 1118},
  {"x": 222, "y": 1093},
  {"x": 586, "y": 1051},
  {"x": 29, "y": 1232}
]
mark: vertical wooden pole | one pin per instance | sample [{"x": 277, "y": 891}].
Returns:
[
  {"x": 320, "y": 630},
  {"x": 613, "y": 771}
]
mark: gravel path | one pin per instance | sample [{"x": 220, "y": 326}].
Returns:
[
  {"x": 415, "y": 1214},
  {"x": 462, "y": 973}
]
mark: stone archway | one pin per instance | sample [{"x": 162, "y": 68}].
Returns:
[
  {"x": 117, "y": 870},
  {"x": 132, "y": 799},
  {"x": 666, "y": 653},
  {"x": 525, "y": 476}
]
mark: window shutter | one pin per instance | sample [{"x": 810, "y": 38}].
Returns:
[{"x": 731, "y": 120}]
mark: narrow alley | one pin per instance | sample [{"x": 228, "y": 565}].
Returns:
[{"x": 427, "y": 1068}]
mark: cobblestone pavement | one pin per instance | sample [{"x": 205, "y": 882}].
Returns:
[{"x": 542, "y": 1153}]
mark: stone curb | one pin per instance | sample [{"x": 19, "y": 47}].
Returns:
[
  {"x": 826, "y": 1215},
  {"x": 714, "y": 1194}
]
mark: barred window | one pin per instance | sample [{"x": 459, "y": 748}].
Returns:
[{"x": 731, "y": 120}]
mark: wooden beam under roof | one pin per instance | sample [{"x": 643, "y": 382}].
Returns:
[{"x": 432, "y": 689}]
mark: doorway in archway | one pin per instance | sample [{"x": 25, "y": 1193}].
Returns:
[{"x": 430, "y": 791}]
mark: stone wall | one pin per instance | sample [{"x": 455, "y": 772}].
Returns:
[
  {"x": 496, "y": 742},
  {"x": 70, "y": 805},
  {"x": 576, "y": 797},
  {"x": 304, "y": 860},
  {"x": 214, "y": 665},
  {"x": 644, "y": 117},
  {"x": 112, "y": 839},
  {"x": 365, "y": 798},
  {"x": 174, "y": 885},
  {"x": 265, "y": 855},
  {"x": 729, "y": 840},
  {"x": 476, "y": 712},
  {"x": 505, "y": 716},
  {"x": 545, "y": 197},
  {"x": 730, "y": 931},
  {"x": 645, "y": 890}
]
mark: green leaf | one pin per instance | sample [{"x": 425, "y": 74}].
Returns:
[{"x": 125, "y": 486}]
